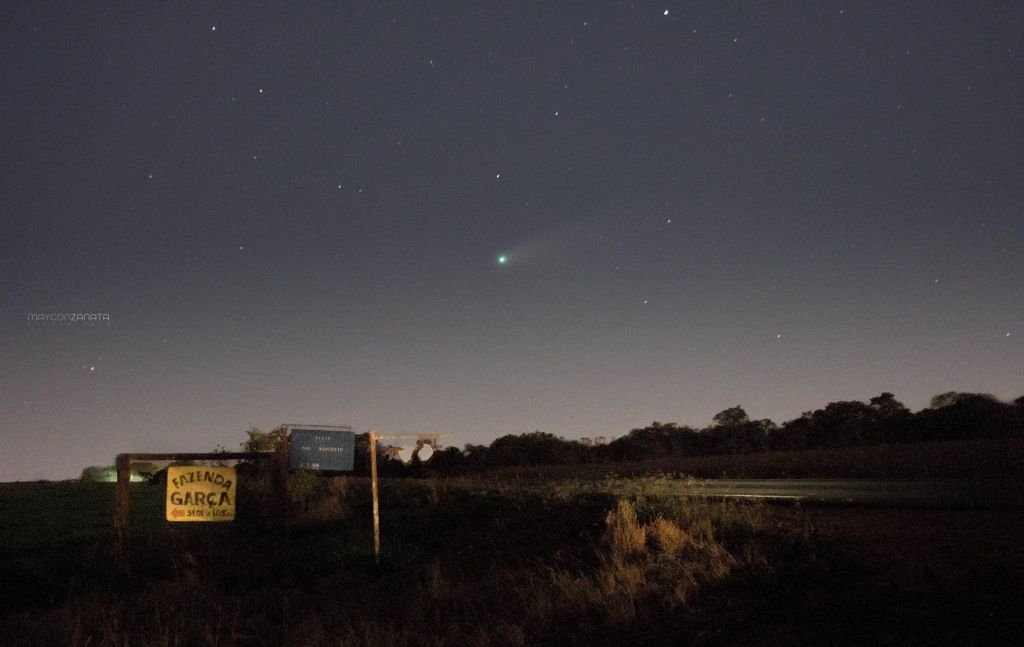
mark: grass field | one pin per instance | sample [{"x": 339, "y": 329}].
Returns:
[
  {"x": 989, "y": 458},
  {"x": 493, "y": 561}
]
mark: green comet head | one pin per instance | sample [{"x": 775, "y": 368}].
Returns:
[{"x": 502, "y": 259}]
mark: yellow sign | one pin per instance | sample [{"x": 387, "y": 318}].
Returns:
[{"x": 196, "y": 493}]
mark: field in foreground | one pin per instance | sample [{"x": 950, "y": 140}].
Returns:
[{"x": 482, "y": 562}]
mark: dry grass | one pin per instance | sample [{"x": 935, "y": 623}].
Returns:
[{"x": 657, "y": 564}]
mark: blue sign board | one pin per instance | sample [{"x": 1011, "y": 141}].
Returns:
[{"x": 318, "y": 449}]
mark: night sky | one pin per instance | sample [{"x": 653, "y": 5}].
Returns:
[{"x": 486, "y": 218}]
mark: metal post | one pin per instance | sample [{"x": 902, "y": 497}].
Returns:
[
  {"x": 376, "y": 504},
  {"x": 122, "y": 503}
]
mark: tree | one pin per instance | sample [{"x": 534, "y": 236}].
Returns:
[
  {"x": 955, "y": 415},
  {"x": 534, "y": 448},
  {"x": 260, "y": 441},
  {"x": 730, "y": 417},
  {"x": 950, "y": 398},
  {"x": 475, "y": 457},
  {"x": 449, "y": 460},
  {"x": 944, "y": 399},
  {"x": 842, "y": 424},
  {"x": 887, "y": 405},
  {"x": 653, "y": 441},
  {"x": 892, "y": 420},
  {"x": 793, "y": 435}
]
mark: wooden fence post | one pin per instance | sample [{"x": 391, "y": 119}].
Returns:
[
  {"x": 376, "y": 504},
  {"x": 280, "y": 477},
  {"x": 122, "y": 506}
]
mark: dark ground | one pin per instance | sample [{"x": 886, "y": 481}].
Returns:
[
  {"x": 885, "y": 577},
  {"x": 862, "y": 576}
]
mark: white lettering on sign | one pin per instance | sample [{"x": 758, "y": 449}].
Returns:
[
  {"x": 320, "y": 449},
  {"x": 338, "y": 450}
]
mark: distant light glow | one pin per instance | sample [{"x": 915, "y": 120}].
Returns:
[{"x": 502, "y": 259}]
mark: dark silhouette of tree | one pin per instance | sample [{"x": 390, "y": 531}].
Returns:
[
  {"x": 956, "y": 415},
  {"x": 883, "y": 419},
  {"x": 475, "y": 456},
  {"x": 944, "y": 399},
  {"x": 794, "y": 434},
  {"x": 951, "y": 398},
  {"x": 733, "y": 432},
  {"x": 843, "y": 424},
  {"x": 887, "y": 405},
  {"x": 682, "y": 441},
  {"x": 840, "y": 424},
  {"x": 892, "y": 420},
  {"x": 730, "y": 417},
  {"x": 449, "y": 460},
  {"x": 653, "y": 441},
  {"x": 535, "y": 448}
]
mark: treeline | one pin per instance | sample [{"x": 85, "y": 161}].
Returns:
[
  {"x": 883, "y": 419},
  {"x": 852, "y": 423}
]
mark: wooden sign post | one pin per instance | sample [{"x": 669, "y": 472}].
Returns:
[
  {"x": 376, "y": 502},
  {"x": 325, "y": 447},
  {"x": 421, "y": 439},
  {"x": 122, "y": 501}
]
